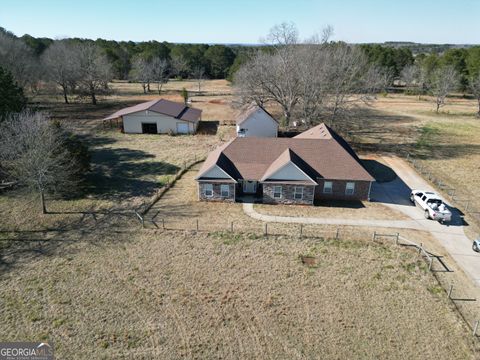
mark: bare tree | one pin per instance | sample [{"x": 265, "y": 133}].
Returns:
[
  {"x": 142, "y": 71},
  {"x": 60, "y": 61},
  {"x": 19, "y": 59},
  {"x": 160, "y": 72},
  {"x": 410, "y": 74},
  {"x": 95, "y": 71},
  {"x": 180, "y": 65},
  {"x": 33, "y": 153},
  {"x": 199, "y": 75},
  {"x": 444, "y": 80},
  {"x": 474, "y": 83}
]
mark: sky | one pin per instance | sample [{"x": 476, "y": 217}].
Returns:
[{"x": 245, "y": 21}]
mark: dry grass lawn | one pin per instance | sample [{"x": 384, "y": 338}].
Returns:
[
  {"x": 357, "y": 210},
  {"x": 178, "y": 295}
]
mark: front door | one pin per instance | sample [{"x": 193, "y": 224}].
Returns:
[{"x": 249, "y": 187}]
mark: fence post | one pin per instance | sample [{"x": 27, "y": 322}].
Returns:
[
  {"x": 466, "y": 205},
  {"x": 430, "y": 264},
  {"x": 163, "y": 224},
  {"x": 197, "y": 225},
  {"x": 475, "y": 327},
  {"x": 336, "y": 234},
  {"x": 231, "y": 226},
  {"x": 450, "y": 290},
  {"x": 266, "y": 230},
  {"x": 420, "y": 248},
  {"x": 374, "y": 236},
  {"x": 396, "y": 238}
]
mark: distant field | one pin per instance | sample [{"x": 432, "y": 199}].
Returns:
[{"x": 447, "y": 144}]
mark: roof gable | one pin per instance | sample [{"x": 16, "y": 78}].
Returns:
[
  {"x": 288, "y": 166},
  {"x": 247, "y": 113}
]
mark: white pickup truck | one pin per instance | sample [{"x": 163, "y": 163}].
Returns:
[{"x": 432, "y": 205}]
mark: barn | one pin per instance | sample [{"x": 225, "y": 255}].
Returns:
[{"x": 158, "y": 116}]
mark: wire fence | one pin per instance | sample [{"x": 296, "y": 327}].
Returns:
[
  {"x": 458, "y": 293},
  {"x": 468, "y": 204}
]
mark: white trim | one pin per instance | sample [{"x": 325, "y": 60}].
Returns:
[
  {"x": 281, "y": 191},
  {"x": 210, "y": 168},
  {"x": 205, "y": 190},
  {"x": 295, "y": 192},
  {"x": 331, "y": 187},
  {"x": 346, "y": 188},
  {"x": 289, "y": 162},
  {"x": 369, "y": 190},
  {"x": 228, "y": 190}
]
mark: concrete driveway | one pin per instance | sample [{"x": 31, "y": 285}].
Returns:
[
  {"x": 452, "y": 236},
  {"x": 395, "y": 194}
]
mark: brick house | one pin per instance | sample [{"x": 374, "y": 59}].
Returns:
[{"x": 316, "y": 164}]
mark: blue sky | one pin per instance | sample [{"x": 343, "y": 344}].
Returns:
[{"x": 244, "y": 21}]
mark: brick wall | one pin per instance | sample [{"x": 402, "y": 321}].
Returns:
[
  {"x": 288, "y": 194},
  {"x": 217, "y": 196},
  {"x": 338, "y": 190}
]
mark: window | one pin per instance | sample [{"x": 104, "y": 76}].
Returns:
[
  {"x": 277, "y": 192},
  {"x": 350, "y": 188},
  {"x": 327, "y": 187},
  {"x": 208, "y": 190},
  {"x": 225, "y": 190},
  {"x": 298, "y": 193}
]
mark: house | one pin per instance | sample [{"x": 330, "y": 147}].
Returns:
[
  {"x": 316, "y": 165},
  {"x": 256, "y": 121},
  {"x": 158, "y": 116}
]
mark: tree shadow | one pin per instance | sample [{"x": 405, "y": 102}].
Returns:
[
  {"x": 208, "y": 127},
  {"x": 379, "y": 171},
  {"x": 123, "y": 172},
  {"x": 371, "y": 130}
]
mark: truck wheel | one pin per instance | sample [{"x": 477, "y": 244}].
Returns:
[{"x": 427, "y": 215}]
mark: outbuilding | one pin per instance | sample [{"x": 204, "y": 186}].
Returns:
[
  {"x": 255, "y": 121},
  {"x": 158, "y": 116}
]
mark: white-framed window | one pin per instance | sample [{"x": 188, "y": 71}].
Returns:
[
  {"x": 350, "y": 188},
  {"x": 225, "y": 190},
  {"x": 277, "y": 192},
  {"x": 208, "y": 190},
  {"x": 327, "y": 187},
  {"x": 298, "y": 192}
]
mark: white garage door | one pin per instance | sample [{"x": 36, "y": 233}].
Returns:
[{"x": 182, "y": 128}]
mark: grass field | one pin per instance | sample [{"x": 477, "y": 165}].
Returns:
[
  {"x": 179, "y": 295},
  {"x": 101, "y": 287}
]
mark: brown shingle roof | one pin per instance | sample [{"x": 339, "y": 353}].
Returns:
[
  {"x": 245, "y": 113},
  {"x": 321, "y": 131},
  {"x": 251, "y": 158},
  {"x": 286, "y": 157},
  {"x": 162, "y": 106}
]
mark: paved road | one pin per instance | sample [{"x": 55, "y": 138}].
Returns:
[{"x": 395, "y": 194}]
